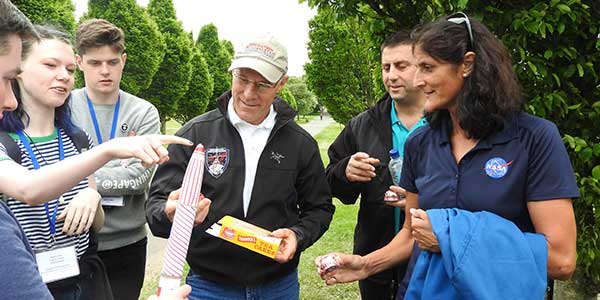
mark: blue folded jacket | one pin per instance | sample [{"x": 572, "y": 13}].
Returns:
[{"x": 483, "y": 256}]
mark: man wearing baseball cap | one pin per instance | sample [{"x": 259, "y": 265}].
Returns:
[{"x": 261, "y": 167}]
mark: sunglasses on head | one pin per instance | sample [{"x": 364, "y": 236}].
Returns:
[{"x": 459, "y": 18}]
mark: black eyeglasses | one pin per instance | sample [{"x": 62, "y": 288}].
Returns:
[{"x": 459, "y": 18}]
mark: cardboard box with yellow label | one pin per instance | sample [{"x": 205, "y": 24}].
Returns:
[{"x": 245, "y": 235}]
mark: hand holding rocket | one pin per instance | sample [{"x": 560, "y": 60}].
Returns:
[{"x": 183, "y": 222}]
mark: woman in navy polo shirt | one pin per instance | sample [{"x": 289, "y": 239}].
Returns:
[{"x": 480, "y": 152}]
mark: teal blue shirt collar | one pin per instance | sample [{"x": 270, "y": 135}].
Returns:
[{"x": 400, "y": 132}]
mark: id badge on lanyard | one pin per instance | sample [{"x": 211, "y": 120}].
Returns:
[
  {"x": 116, "y": 201},
  {"x": 57, "y": 264}
]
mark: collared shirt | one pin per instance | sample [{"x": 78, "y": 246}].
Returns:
[
  {"x": 399, "y": 135},
  {"x": 400, "y": 132},
  {"x": 525, "y": 161},
  {"x": 254, "y": 138}
]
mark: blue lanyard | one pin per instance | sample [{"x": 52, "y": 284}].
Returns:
[
  {"x": 95, "y": 120},
  {"x": 36, "y": 165}
]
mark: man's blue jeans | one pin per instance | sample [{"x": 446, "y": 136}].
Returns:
[{"x": 285, "y": 288}]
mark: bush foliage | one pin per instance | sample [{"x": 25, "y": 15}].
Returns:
[
  {"x": 59, "y": 13},
  {"x": 200, "y": 90},
  {"x": 305, "y": 99},
  {"x": 172, "y": 79},
  {"x": 218, "y": 61},
  {"x": 287, "y": 95}
]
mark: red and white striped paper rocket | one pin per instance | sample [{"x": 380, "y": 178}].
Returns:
[{"x": 183, "y": 223}]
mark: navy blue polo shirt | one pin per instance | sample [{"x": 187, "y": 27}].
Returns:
[{"x": 525, "y": 161}]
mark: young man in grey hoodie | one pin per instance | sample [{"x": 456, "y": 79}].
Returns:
[{"x": 106, "y": 112}]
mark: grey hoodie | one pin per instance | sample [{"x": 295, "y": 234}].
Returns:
[{"x": 128, "y": 178}]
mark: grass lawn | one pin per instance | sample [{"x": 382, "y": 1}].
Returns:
[
  {"x": 305, "y": 119},
  {"x": 172, "y": 126},
  {"x": 338, "y": 238}
]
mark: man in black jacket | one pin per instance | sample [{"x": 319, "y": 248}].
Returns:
[
  {"x": 261, "y": 167},
  {"x": 359, "y": 156}
]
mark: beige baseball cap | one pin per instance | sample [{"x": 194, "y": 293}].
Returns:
[{"x": 265, "y": 55}]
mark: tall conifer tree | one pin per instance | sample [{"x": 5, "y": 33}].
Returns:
[
  {"x": 172, "y": 79},
  {"x": 218, "y": 61}
]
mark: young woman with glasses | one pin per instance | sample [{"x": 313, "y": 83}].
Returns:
[{"x": 479, "y": 152}]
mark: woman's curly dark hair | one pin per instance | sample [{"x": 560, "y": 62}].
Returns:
[{"x": 491, "y": 92}]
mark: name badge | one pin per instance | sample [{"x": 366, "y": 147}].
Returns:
[
  {"x": 57, "y": 264},
  {"x": 112, "y": 201}
]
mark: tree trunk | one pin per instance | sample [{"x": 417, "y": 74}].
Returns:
[{"x": 163, "y": 125}]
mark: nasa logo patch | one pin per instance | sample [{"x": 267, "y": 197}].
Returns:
[{"x": 497, "y": 167}]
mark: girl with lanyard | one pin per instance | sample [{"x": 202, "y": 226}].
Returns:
[
  {"x": 59, "y": 229},
  {"x": 19, "y": 270}
]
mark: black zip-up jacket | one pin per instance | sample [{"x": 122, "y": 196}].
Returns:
[
  {"x": 290, "y": 191},
  {"x": 369, "y": 132}
]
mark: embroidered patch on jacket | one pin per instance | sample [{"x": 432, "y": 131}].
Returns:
[
  {"x": 277, "y": 157},
  {"x": 217, "y": 160},
  {"x": 497, "y": 167}
]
